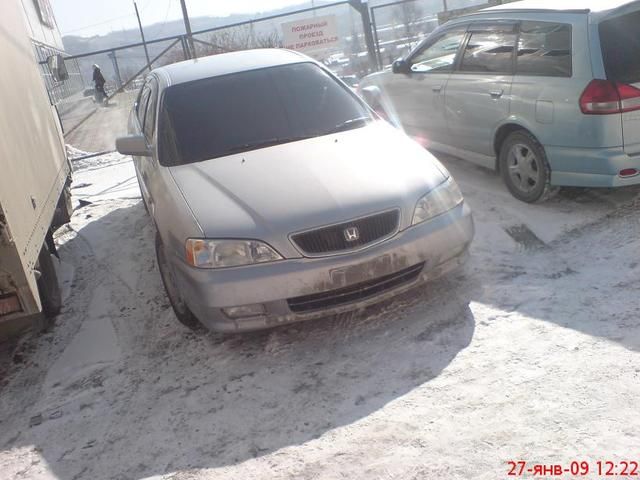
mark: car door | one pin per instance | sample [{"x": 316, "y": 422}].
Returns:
[
  {"x": 148, "y": 166},
  {"x": 478, "y": 92},
  {"x": 417, "y": 97},
  {"x": 136, "y": 122}
]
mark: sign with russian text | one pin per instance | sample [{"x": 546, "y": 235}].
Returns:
[{"x": 312, "y": 34}]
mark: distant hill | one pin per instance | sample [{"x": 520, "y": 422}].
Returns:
[{"x": 75, "y": 44}]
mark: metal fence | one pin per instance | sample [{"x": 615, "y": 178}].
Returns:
[
  {"x": 399, "y": 26},
  {"x": 58, "y": 91},
  {"x": 350, "y": 57},
  {"x": 91, "y": 127},
  {"x": 367, "y": 39}
]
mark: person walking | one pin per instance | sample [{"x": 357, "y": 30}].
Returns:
[{"x": 99, "y": 81}]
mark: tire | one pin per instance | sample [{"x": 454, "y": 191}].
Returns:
[
  {"x": 144, "y": 202},
  {"x": 180, "y": 308},
  {"x": 64, "y": 209},
  {"x": 525, "y": 169},
  {"x": 48, "y": 286}
]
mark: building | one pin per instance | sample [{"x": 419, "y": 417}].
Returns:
[{"x": 47, "y": 40}]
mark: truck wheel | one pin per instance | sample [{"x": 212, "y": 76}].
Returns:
[
  {"x": 48, "y": 286},
  {"x": 525, "y": 169},
  {"x": 180, "y": 308},
  {"x": 64, "y": 209}
]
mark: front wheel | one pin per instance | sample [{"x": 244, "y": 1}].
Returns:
[
  {"x": 48, "y": 286},
  {"x": 178, "y": 304},
  {"x": 524, "y": 168}
]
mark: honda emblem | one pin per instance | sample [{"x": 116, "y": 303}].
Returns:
[{"x": 351, "y": 234}]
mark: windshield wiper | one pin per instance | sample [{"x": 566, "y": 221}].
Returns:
[
  {"x": 265, "y": 143},
  {"x": 349, "y": 124}
]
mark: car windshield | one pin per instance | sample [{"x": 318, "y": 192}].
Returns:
[{"x": 219, "y": 116}]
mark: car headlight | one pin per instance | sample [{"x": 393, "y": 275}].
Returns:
[
  {"x": 204, "y": 253},
  {"x": 441, "y": 199}
]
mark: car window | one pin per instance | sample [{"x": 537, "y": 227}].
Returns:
[
  {"x": 544, "y": 49},
  {"x": 142, "y": 104},
  {"x": 150, "y": 115},
  {"x": 228, "y": 114},
  {"x": 489, "y": 52},
  {"x": 620, "y": 41},
  {"x": 440, "y": 55}
]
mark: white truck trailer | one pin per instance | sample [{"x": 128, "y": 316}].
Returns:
[{"x": 34, "y": 178}]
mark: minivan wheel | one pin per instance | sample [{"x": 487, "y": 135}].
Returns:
[
  {"x": 525, "y": 169},
  {"x": 180, "y": 308}
]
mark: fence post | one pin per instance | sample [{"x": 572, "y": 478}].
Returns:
[
  {"x": 185, "y": 48},
  {"x": 75, "y": 61},
  {"x": 363, "y": 8},
  {"x": 374, "y": 28},
  {"x": 116, "y": 69}
]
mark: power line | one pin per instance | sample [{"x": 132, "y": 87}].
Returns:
[
  {"x": 97, "y": 24},
  {"x": 164, "y": 22}
]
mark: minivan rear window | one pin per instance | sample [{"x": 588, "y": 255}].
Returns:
[
  {"x": 620, "y": 42},
  {"x": 544, "y": 49}
]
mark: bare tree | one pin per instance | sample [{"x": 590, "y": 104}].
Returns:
[
  {"x": 238, "y": 38},
  {"x": 408, "y": 14}
]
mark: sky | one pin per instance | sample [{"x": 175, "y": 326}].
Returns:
[{"x": 97, "y": 17}]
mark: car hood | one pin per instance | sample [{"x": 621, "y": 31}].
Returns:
[{"x": 269, "y": 193}]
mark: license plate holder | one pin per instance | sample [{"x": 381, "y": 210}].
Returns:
[{"x": 353, "y": 274}]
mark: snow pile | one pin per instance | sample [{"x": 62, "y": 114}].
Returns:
[
  {"x": 73, "y": 152},
  {"x": 80, "y": 161}
]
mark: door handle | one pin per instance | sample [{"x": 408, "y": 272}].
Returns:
[
  {"x": 496, "y": 93},
  {"x": 436, "y": 88}
]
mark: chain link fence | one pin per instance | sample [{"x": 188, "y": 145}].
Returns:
[
  {"x": 400, "y": 26},
  {"x": 347, "y": 58},
  {"x": 93, "y": 126}
]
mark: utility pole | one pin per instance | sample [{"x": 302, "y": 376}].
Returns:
[
  {"x": 144, "y": 43},
  {"x": 187, "y": 27},
  {"x": 362, "y": 6}
]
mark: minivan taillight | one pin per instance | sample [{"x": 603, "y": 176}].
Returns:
[{"x": 603, "y": 97}]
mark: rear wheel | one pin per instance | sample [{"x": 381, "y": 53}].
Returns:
[
  {"x": 48, "y": 286},
  {"x": 524, "y": 168},
  {"x": 178, "y": 304}
]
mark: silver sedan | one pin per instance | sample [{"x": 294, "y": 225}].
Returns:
[{"x": 279, "y": 196}]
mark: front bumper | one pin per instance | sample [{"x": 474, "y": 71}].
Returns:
[{"x": 441, "y": 244}]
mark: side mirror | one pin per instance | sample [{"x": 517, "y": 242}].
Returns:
[
  {"x": 372, "y": 95},
  {"x": 401, "y": 66},
  {"x": 135, "y": 145},
  {"x": 57, "y": 68}
]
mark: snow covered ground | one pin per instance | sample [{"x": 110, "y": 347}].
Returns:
[{"x": 532, "y": 353}]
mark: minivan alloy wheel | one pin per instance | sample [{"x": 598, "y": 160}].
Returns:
[{"x": 524, "y": 167}]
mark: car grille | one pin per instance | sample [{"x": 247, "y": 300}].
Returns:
[
  {"x": 332, "y": 239},
  {"x": 354, "y": 293}
]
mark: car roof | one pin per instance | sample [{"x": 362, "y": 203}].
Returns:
[
  {"x": 594, "y": 6},
  {"x": 226, "y": 63}
]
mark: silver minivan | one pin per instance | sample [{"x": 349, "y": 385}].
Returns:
[{"x": 547, "y": 93}]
